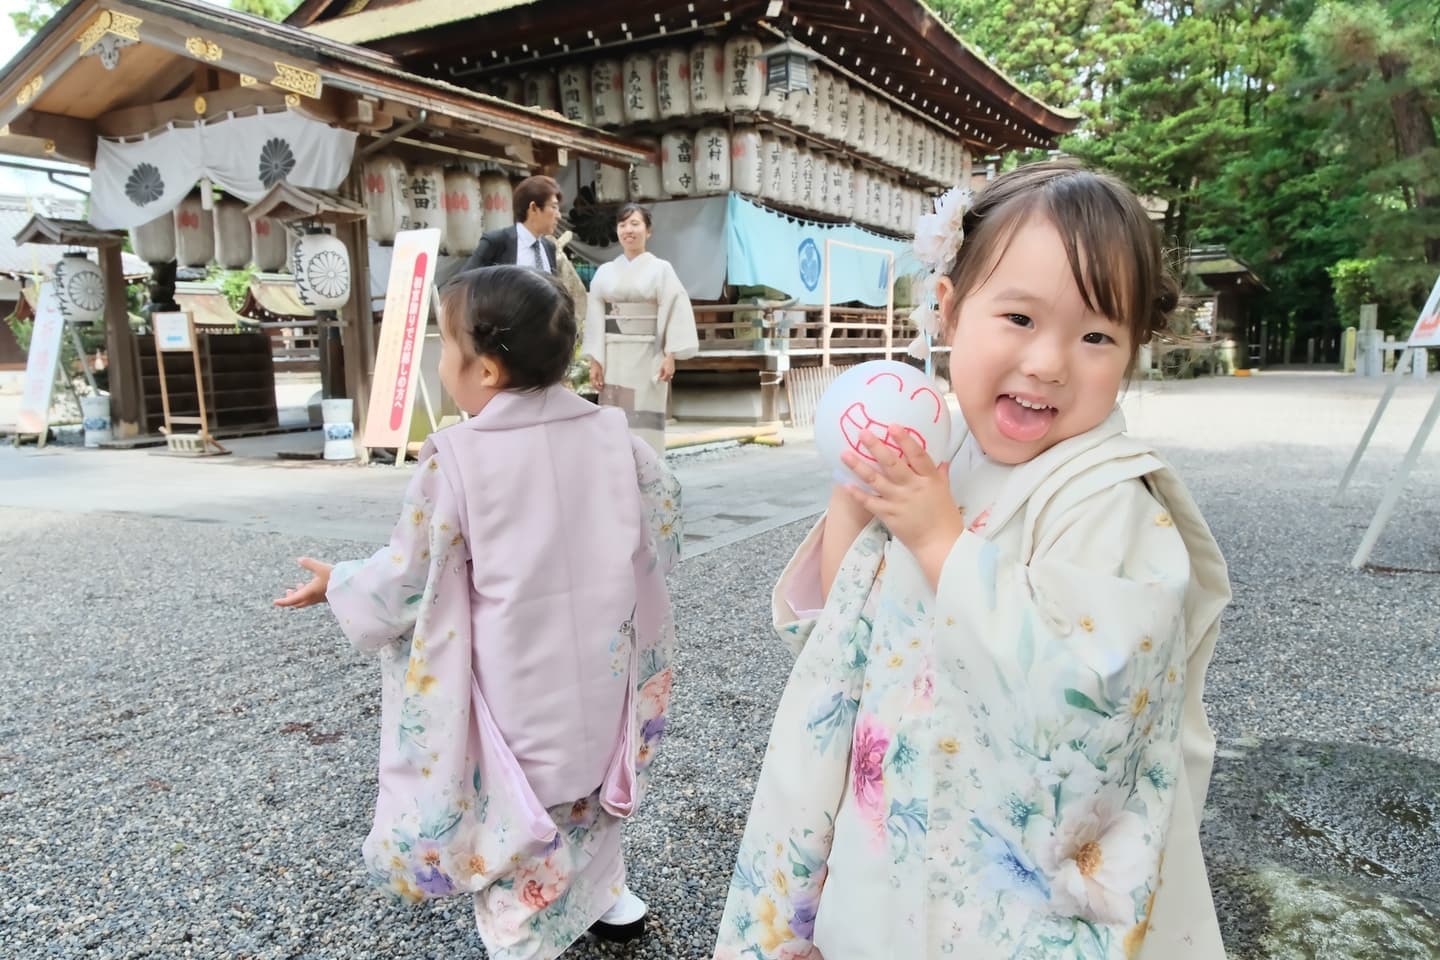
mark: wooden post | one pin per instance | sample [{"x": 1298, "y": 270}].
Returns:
[
  {"x": 825, "y": 310},
  {"x": 127, "y": 409},
  {"x": 357, "y": 330}
]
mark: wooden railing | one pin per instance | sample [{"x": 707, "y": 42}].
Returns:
[
  {"x": 738, "y": 331},
  {"x": 294, "y": 346}
]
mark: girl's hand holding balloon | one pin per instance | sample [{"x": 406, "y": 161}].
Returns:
[{"x": 911, "y": 496}]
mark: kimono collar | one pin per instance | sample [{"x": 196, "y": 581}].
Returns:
[
  {"x": 1028, "y": 477},
  {"x": 512, "y": 409}
]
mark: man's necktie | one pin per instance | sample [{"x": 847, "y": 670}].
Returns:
[{"x": 539, "y": 257}]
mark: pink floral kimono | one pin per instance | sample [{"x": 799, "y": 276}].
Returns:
[{"x": 525, "y": 638}]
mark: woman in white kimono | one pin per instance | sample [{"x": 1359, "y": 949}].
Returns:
[
  {"x": 992, "y": 744},
  {"x": 637, "y": 324}
]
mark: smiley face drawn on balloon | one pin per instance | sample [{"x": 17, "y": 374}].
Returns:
[{"x": 855, "y": 422}]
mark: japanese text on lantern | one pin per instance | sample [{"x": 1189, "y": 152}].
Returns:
[{"x": 740, "y": 82}]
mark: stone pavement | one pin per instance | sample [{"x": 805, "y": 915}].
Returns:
[{"x": 729, "y": 494}]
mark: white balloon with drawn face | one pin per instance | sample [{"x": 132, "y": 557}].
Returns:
[{"x": 872, "y": 397}]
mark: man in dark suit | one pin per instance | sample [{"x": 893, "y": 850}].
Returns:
[{"x": 528, "y": 243}]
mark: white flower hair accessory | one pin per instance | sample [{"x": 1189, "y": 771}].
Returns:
[{"x": 938, "y": 237}]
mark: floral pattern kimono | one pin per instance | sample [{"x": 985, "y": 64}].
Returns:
[
  {"x": 1011, "y": 765},
  {"x": 459, "y": 808}
]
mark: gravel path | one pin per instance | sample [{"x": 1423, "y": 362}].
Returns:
[{"x": 186, "y": 772}]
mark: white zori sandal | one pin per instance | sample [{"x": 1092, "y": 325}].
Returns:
[{"x": 624, "y": 921}]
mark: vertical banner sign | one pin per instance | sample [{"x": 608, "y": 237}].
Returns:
[
  {"x": 402, "y": 335},
  {"x": 40, "y": 364}
]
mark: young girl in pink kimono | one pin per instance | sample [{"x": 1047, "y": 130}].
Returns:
[
  {"x": 992, "y": 743},
  {"x": 523, "y": 628}
]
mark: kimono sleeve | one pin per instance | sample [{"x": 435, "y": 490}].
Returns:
[
  {"x": 797, "y": 599},
  {"x": 378, "y": 600},
  {"x": 660, "y": 501},
  {"x": 1075, "y": 675},
  {"x": 677, "y": 317},
  {"x": 592, "y": 342}
]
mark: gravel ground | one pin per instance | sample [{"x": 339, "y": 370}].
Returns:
[{"x": 186, "y": 772}]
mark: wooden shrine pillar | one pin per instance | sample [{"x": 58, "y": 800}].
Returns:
[
  {"x": 357, "y": 320},
  {"x": 127, "y": 407}
]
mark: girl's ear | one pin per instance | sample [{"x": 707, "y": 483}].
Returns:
[
  {"x": 492, "y": 373},
  {"x": 945, "y": 297}
]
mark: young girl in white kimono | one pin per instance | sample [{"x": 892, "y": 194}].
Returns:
[
  {"x": 992, "y": 743},
  {"x": 523, "y": 628}
]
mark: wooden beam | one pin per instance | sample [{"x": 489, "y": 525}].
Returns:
[
  {"x": 223, "y": 51},
  {"x": 132, "y": 121},
  {"x": 27, "y": 80},
  {"x": 64, "y": 137}
]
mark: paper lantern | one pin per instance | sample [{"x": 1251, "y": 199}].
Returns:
[
  {"x": 860, "y": 195},
  {"x": 640, "y": 104},
  {"x": 874, "y": 134},
  {"x": 805, "y": 160},
  {"x": 841, "y": 123},
  {"x": 464, "y": 212},
  {"x": 712, "y": 160},
  {"x": 427, "y": 195},
  {"x": 541, "y": 90},
  {"x": 267, "y": 244},
  {"x": 773, "y": 167},
  {"x": 232, "y": 234},
  {"x": 677, "y": 163},
  {"x": 672, "y": 83},
  {"x": 815, "y": 103},
  {"x": 607, "y": 93},
  {"x": 744, "y": 74},
  {"x": 878, "y": 397},
  {"x": 574, "y": 91},
  {"x": 386, "y": 206},
  {"x": 821, "y": 190},
  {"x": 497, "y": 202},
  {"x": 707, "y": 78},
  {"x": 747, "y": 161},
  {"x": 79, "y": 288},
  {"x": 612, "y": 184},
  {"x": 789, "y": 172},
  {"x": 154, "y": 242},
  {"x": 841, "y": 186},
  {"x": 825, "y": 101},
  {"x": 879, "y": 193},
  {"x": 194, "y": 233},
  {"x": 858, "y": 135},
  {"x": 321, "y": 266},
  {"x": 645, "y": 181}
]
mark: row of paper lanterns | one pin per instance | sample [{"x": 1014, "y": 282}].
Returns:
[
  {"x": 769, "y": 167},
  {"x": 711, "y": 78},
  {"x": 194, "y": 236}
]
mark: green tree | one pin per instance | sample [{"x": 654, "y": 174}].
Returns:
[
  {"x": 276, "y": 10},
  {"x": 1066, "y": 52},
  {"x": 36, "y": 14},
  {"x": 1167, "y": 125},
  {"x": 1375, "y": 76}
]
